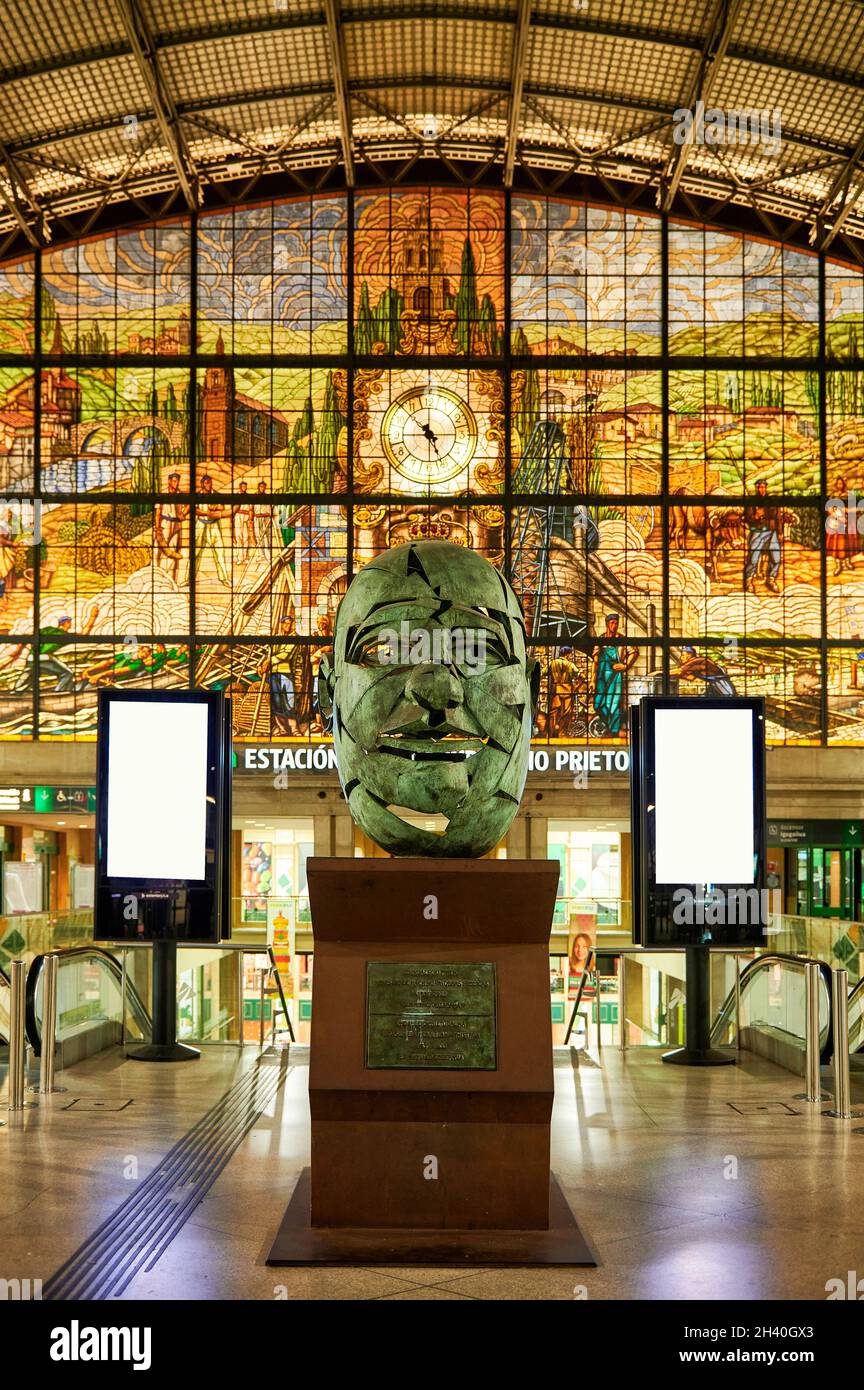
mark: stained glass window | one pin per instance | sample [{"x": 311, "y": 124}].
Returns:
[
  {"x": 17, "y": 425},
  {"x": 574, "y": 568},
  {"x": 428, "y": 431},
  {"x": 378, "y": 527},
  {"x": 17, "y": 313},
  {"x": 731, "y": 429},
  {"x": 187, "y": 488},
  {"x": 273, "y": 278},
  {"x": 845, "y": 692},
  {"x": 730, "y": 295},
  {"x": 71, "y": 674},
  {"x": 118, "y": 295},
  {"x": 273, "y": 687},
  {"x": 787, "y": 677},
  {"x": 429, "y": 272},
  {"x": 584, "y": 279},
  {"x": 273, "y": 430},
  {"x": 267, "y": 569},
  {"x": 844, "y": 310},
  {"x": 586, "y": 431},
  {"x": 122, "y": 429}
]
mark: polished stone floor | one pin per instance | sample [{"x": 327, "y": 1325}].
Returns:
[{"x": 689, "y": 1183}]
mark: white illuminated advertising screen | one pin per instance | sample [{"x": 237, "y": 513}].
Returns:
[
  {"x": 157, "y": 790},
  {"x": 703, "y": 796}
]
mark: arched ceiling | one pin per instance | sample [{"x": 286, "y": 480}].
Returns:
[{"x": 118, "y": 108}]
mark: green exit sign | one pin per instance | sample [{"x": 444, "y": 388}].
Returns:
[{"x": 78, "y": 800}]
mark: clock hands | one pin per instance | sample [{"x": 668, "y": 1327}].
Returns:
[{"x": 430, "y": 435}]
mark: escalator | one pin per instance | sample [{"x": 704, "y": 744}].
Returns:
[
  {"x": 856, "y": 1024},
  {"x": 772, "y": 1008},
  {"x": 773, "y": 1011},
  {"x": 89, "y": 1003}
]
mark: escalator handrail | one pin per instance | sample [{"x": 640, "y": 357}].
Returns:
[
  {"x": 856, "y": 990},
  {"x": 772, "y": 958},
  {"x": 133, "y": 998}
]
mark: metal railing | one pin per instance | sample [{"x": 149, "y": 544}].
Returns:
[
  {"x": 746, "y": 978},
  {"x": 16, "y": 1036},
  {"x": 49, "y": 1028},
  {"x": 133, "y": 1008},
  {"x": 668, "y": 998},
  {"x": 99, "y": 956},
  {"x": 130, "y": 1000},
  {"x": 22, "y": 994}
]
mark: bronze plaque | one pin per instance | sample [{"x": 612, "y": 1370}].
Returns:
[{"x": 430, "y": 1015}]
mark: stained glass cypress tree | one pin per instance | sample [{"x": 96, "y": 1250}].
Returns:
[
  {"x": 388, "y": 328},
  {"x": 489, "y": 335},
  {"x": 364, "y": 329},
  {"x": 527, "y": 413},
  {"x": 467, "y": 310},
  {"x": 332, "y": 422},
  {"x": 304, "y": 425}
]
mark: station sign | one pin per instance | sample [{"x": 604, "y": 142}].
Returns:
[
  {"x": 815, "y": 832},
  {"x": 575, "y": 761},
  {"x": 545, "y": 759},
  {"x": 81, "y": 800},
  {"x": 310, "y": 757}
]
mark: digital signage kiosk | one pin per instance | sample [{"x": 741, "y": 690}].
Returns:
[
  {"x": 699, "y": 843},
  {"x": 163, "y": 817}
]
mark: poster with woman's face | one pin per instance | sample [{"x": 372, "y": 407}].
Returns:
[{"x": 580, "y": 944}]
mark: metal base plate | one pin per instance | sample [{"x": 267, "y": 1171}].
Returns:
[
  {"x": 163, "y": 1052},
  {"x": 699, "y": 1057}
]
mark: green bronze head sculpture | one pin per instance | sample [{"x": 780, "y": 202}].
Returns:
[{"x": 432, "y": 696}]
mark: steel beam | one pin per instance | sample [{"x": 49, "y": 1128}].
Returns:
[
  {"x": 164, "y": 108},
  {"x": 340, "y": 85},
  {"x": 517, "y": 82},
  {"x": 19, "y": 195},
  {"x": 716, "y": 43},
  {"x": 847, "y": 186}
]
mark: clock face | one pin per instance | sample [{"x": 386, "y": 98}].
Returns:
[{"x": 429, "y": 435}]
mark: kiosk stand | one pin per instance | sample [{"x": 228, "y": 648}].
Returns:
[
  {"x": 698, "y": 1051},
  {"x": 163, "y": 818},
  {"x": 164, "y": 1046},
  {"x": 697, "y": 797}
]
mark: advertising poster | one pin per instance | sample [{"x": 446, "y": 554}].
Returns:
[
  {"x": 581, "y": 941},
  {"x": 279, "y": 935},
  {"x": 257, "y": 878}
]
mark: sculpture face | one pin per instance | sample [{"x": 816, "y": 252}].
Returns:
[{"x": 432, "y": 696}]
